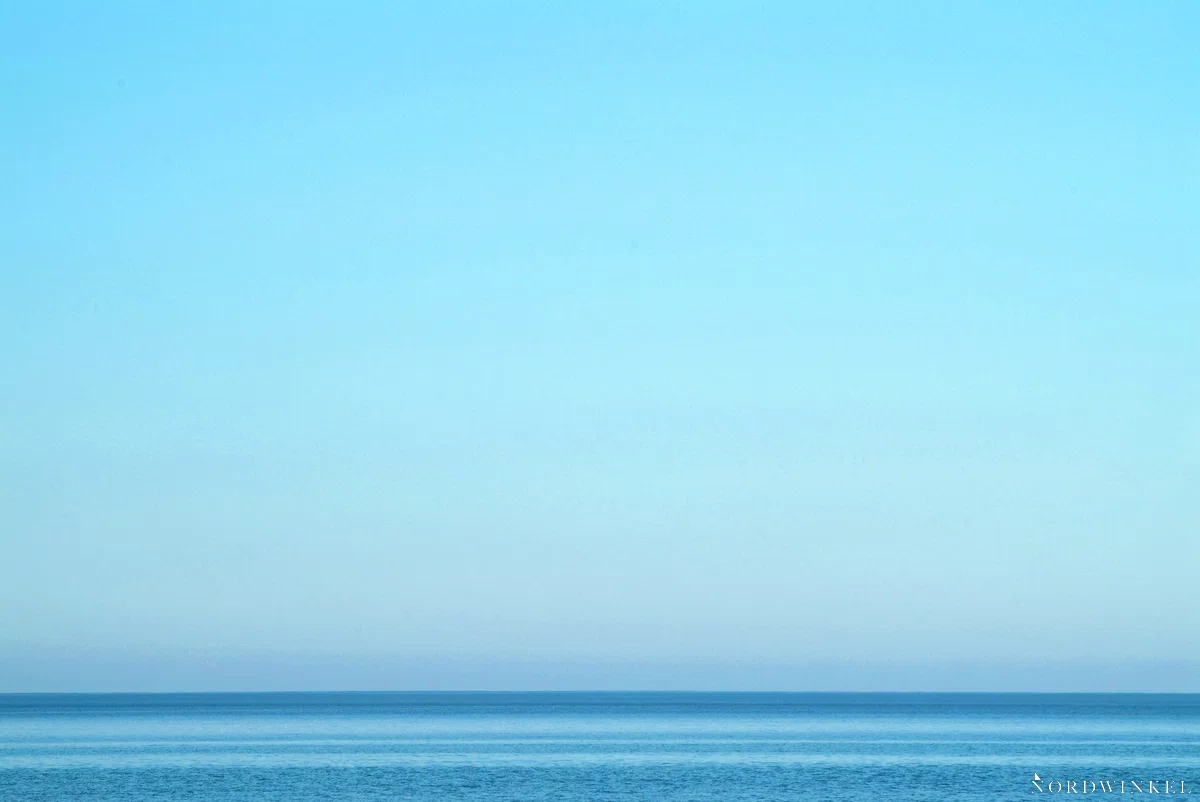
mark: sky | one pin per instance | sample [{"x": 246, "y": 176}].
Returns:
[{"x": 762, "y": 346}]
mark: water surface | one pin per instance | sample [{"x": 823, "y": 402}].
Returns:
[{"x": 590, "y": 746}]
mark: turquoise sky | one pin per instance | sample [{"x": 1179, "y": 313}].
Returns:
[{"x": 520, "y": 345}]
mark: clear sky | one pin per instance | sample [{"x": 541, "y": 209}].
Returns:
[{"x": 520, "y": 345}]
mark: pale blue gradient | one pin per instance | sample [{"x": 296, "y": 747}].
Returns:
[{"x": 790, "y": 346}]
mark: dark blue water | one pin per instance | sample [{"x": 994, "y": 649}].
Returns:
[{"x": 593, "y": 746}]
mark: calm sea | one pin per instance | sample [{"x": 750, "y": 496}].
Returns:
[{"x": 593, "y": 746}]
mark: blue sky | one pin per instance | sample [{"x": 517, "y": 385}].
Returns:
[{"x": 789, "y": 346}]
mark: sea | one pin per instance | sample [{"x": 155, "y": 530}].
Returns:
[{"x": 660, "y": 747}]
